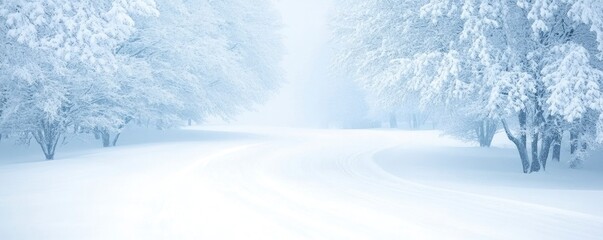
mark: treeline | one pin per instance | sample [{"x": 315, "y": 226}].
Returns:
[
  {"x": 532, "y": 67},
  {"x": 92, "y": 67}
]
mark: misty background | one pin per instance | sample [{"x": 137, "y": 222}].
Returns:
[{"x": 311, "y": 95}]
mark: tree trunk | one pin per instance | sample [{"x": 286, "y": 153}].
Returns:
[
  {"x": 49, "y": 156},
  {"x": 96, "y": 132},
  {"x": 479, "y": 130},
  {"x": 557, "y": 137},
  {"x": 126, "y": 121},
  {"x": 574, "y": 158},
  {"x": 520, "y": 143},
  {"x": 47, "y": 136},
  {"x": 573, "y": 141},
  {"x": 544, "y": 151},
  {"x": 540, "y": 139},
  {"x": 580, "y": 153},
  {"x": 523, "y": 128},
  {"x": 115, "y": 139},
  {"x": 416, "y": 121},
  {"x": 393, "y": 121},
  {"x": 577, "y": 148},
  {"x": 485, "y": 132},
  {"x": 523, "y": 155},
  {"x": 535, "y": 166},
  {"x": 491, "y": 129},
  {"x": 106, "y": 137}
]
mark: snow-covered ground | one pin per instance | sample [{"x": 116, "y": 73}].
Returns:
[{"x": 224, "y": 182}]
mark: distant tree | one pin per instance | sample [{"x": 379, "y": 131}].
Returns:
[
  {"x": 204, "y": 58},
  {"x": 389, "y": 48},
  {"x": 464, "y": 123}
]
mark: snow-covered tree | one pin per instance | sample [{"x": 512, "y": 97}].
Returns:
[
  {"x": 58, "y": 64},
  {"x": 404, "y": 60},
  {"x": 96, "y": 66},
  {"x": 44, "y": 97},
  {"x": 391, "y": 49},
  {"x": 215, "y": 57},
  {"x": 467, "y": 122},
  {"x": 87, "y": 31},
  {"x": 537, "y": 61},
  {"x": 523, "y": 50}
]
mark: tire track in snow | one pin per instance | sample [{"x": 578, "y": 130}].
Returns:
[
  {"x": 545, "y": 221},
  {"x": 327, "y": 186},
  {"x": 354, "y": 178}
]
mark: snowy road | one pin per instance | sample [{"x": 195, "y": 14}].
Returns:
[{"x": 281, "y": 184}]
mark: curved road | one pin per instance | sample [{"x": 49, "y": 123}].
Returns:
[{"x": 288, "y": 184}]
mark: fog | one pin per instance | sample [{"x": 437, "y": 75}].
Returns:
[{"x": 311, "y": 95}]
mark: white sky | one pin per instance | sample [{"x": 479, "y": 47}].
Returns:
[{"x": 305, "y": 35}]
